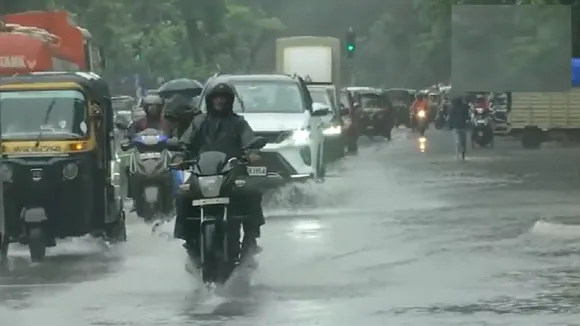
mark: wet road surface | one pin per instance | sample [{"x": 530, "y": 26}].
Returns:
[{"x": 400, "y": 237}]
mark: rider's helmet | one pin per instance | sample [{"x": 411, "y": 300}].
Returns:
[
  {"x": 420, "y": 96},
  {"x": 152, "y": 104},
  {"x": 222, "y": 89}
]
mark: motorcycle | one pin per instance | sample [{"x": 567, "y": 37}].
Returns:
[
  {"x": 421, "y": 122},
  {"x": 482, "y": 131},
  {"x": 213, "y": 186},
  {"x": 150, "y": 177}
]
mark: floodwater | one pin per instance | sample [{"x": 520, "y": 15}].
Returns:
[{"x": 402, "y": 234}]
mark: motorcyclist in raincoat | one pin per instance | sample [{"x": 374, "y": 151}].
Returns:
[{"x": 220, "y": 129}]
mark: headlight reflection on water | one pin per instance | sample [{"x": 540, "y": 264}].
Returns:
[{"x": 422, "y": 144}]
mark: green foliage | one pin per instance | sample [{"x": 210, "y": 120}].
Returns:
[{"x": 407, "y": 41}]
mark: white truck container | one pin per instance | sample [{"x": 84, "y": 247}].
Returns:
[
  {"x": 315, "y": 59},
  {"x": 540, "y": 117}
]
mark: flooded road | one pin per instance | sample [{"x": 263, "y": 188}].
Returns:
[{"x": 396, "y": 237}]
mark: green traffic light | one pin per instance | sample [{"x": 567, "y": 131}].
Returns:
[
  {"x": 350, "y": 47},
  {"x": 137, "y": 57}
]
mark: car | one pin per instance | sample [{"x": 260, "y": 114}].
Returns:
[
  {"x": 279, "y": 108},
  {"x": 326, "y": 96}
]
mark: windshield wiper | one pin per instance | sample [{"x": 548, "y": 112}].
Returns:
[
  {"x": 240, "y": 101},
  {"x": 48, "y": 111}
]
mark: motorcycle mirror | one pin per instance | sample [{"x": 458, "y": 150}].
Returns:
[
  {"x": 173, "y": 145},
  {"x": 126, "y": 146},
  {"x": 122, "y": 125},
  {"x": 257, "y": 143},
  {"x": 177, "y": 159}
]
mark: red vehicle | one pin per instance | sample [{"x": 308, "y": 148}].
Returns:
[{"x": 45, "y": 41}]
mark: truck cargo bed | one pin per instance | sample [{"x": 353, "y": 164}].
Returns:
[{"x": 546, "y": 111}]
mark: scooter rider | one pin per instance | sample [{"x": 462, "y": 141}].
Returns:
[
  {"x": 153, "y": 107},
  {"x": 220, "y": 129}
]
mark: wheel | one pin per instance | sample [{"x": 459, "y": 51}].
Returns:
[
  {"x": 36, "y": 244},
  {"x": 208, "y": 261},
  {"x": 118, "y": 231},
  {"x": 321, "y": 165},
  {"x": 531, "y": 140},
  {"x": 4, "y": 245}
]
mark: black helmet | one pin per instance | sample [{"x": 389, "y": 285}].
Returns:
[{"x": 223, "y": 89}]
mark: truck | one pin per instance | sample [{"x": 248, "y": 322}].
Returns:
[
  {"x": 315, "y": 59},
  {"x": 539, "y": 117},
  {"x": 36, "y": 41}
]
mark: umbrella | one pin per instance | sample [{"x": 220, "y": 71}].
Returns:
[{"x": 189, "y": 87}]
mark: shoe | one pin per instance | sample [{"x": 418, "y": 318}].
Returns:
[{"x": 250, "y": 249}]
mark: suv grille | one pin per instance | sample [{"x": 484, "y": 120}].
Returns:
[{"x": 273, "y": 136}]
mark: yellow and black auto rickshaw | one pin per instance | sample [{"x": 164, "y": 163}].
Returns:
[
  {"x": 376, "y": 117},
  {"x": 59, "y": 169}
]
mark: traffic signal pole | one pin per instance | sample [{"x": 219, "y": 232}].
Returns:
[{"x": 350, "y": 42}]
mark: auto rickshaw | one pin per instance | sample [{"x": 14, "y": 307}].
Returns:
[
  {"x": 401, "y": 100},
  {"x": 434, "y": 98},
  {"x": 375, "y": 118},
  {"x": 59, "y": 169}
]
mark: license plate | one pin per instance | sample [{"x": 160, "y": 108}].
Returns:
[
  {"x": 146, "y": 156},
  {"x": 210, "y": 201},
  {"x": 480, "y": 133},
  {"x": 257, "y": 171}
]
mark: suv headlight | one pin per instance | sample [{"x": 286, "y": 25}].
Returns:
[
  {"x": 5, "y": 173},
  {"x": 301, "y": 137},
  {"x": 210, "y": 186}
]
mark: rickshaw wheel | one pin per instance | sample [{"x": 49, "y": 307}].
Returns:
[
  {"x": 36, "y": 244},
  {"x": 4, "y": 245},
  {"x": 118, "y": 231}
]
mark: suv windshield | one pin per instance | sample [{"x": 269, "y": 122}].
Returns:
[
  {"x": 52, "y": 114},
  {"x": 267, "y": 97}
]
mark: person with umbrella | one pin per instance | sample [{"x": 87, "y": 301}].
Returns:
[{"x": 180, "y": 103}]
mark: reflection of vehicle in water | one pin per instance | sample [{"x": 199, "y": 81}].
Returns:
[
  {"x": 214, "y": 186},
  {"x": 422, "y": 144},
  {"x": 482, "y": 131},
  {"x": 325, "y": 96},
  {"x": 375, "y": 116},
  {"x": 279, "y": 108},
  {"x": 149, "y": 174},
  {"x": 60, "y": 173}
]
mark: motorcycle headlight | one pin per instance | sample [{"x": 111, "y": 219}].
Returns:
[
  {"x": 5, "y": 173},
  {"x": 70, "y": 171},
  {"x": 210, "y": 186},
  {"x": 421, "y": 114},
  {"x": 332, "y": 131},
  {"x": 301, "y": 137}
]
